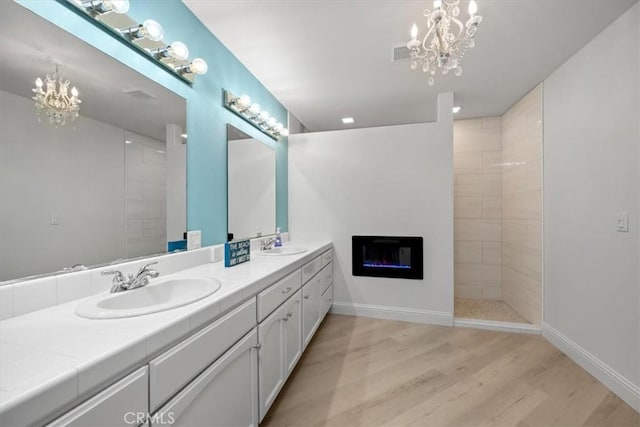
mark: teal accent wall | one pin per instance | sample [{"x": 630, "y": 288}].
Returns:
[{"x": 206, "y": 116}]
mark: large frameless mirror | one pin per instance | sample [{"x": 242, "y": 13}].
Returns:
[
  {"x": 105, "y": 186},
  {"x": 251, "y": 185}
]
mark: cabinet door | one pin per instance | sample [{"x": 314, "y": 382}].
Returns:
[
  {"x": 271, "y": 366},
  {"x": 225, "y": 394},
  {"x": 310, "y": 309},
  {"x": 293, "y": 334},
  {"x": 327, "y": 301},
  {"x": 123, "y": 404}
]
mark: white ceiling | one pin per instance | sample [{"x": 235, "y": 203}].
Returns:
[
  {"x": 325, "y": 60},
  {"x": 30, "y": 46}
]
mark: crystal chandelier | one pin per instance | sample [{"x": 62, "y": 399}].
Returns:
[
  {"x": 54, "y": 100},
  {"x": 446, "y": 40}
]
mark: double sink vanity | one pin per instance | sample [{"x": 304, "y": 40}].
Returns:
[{"x": 208, "y": 345}]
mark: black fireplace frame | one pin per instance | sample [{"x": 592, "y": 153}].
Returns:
[{"x": 416, "y": 272}]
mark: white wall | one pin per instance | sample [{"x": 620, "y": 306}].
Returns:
[
  {"x": 395, "y": 180},
  {"x": 74, "y": 172},
  {"x": 251, "y": 188},
  {"x": 591, "y": 162}
]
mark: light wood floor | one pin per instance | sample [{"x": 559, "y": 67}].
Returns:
[{"x": 369, "y": 372}]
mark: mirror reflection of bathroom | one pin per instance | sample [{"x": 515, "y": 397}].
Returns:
[
  {"x": 498, "y": 215},
  {"x": 251, "y": 185},
  {"x": 107, "y": 185}
]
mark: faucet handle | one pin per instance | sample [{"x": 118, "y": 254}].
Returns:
[{"x": 144, "y": 267}]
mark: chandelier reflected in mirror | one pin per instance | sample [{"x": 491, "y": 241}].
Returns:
[
  {"x": 446, "y": 39},
  {"x": 55, "y": 101}
]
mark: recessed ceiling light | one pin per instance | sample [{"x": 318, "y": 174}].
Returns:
[
  {"x": 348, "y": 120},
  {"x": 456, "y": 110}
]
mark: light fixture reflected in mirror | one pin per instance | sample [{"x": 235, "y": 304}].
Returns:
[
  {"x": 54, "y": 101},
  {"x": 242, "y": 106}
]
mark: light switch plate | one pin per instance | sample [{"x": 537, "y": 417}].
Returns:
[
  {"x": 194, "y": 239},
  {"x": 622, "y": 222}
]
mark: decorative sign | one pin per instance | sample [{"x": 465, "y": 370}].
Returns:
[{"x": 236, "y": 253}]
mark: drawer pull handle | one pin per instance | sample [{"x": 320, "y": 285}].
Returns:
[
  {"x": 285, "y": 318},
  {"x": 306, "y": 297},
  {"x": 286, "y": 291},
  {"x": 258, "y": 346},
  {"x": 289, "y": 315}
]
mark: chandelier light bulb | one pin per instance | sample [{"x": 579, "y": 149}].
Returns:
[
  {"x": 414, "y": 32},
  {"x": 437, "y": 4},
  {"x": 473, "y": 7},
  {"x": 74, "y": 92},
  {"x": 39, "y": 82},
  {"x": 178, "y": 50}
]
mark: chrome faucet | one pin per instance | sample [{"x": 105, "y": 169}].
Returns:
[
  {"x": 266, "y": 244},
  {"x": 124, "y": 283}
]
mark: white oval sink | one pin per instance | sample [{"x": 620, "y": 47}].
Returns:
[
  {"x": 283, "y": 250},
  {"x": 155, "y": 297}
]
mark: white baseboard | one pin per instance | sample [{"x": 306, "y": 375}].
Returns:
[
  {"x": 617, "y": 383},
  {"x": 491, "y": 325},
  {"x": 393, "y": 313}
]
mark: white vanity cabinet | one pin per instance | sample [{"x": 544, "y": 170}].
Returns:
[
  {"x": 280, "y": 349},
  {"x": 313, "y": 306},
  {"x": 123, "y": 404},
  {"x": 225, "y": 394}
]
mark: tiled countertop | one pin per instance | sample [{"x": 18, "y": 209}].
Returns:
[{"x": 51, "y": 359}]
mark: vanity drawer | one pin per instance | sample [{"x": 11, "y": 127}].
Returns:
[
  {"x": 118, "y": 405},
  {"x": 327, "y": 257},
  {"x": 311, "y": 268},
  {"x": 176, "y": 367},
  {"x": 272, "y": 297}
]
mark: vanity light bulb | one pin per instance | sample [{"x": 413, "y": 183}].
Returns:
[
  {"x": 244, "y": 102},
  {"x": 117, "y": 6},
  {"x": 279, "y": 127},
  {"x": 255, "y": 109},
  {"x": 178, "y": 50},
  {"x": 272, "y": 122},
  {"x": 152, "y": 30},
  {"x": 473, "y": 7},
  {"x": 284, "y": 132},
  {"x": 264, "y": 116},
  {"x": 198, "y": 66}
]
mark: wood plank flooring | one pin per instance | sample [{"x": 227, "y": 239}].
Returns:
[{"x": 371, "y": 372}]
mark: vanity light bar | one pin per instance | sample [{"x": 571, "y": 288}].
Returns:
[
  {"x": 251, "y": 112},
  {"x": 145, "y": 38}
]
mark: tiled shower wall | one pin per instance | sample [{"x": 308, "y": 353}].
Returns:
[
  {"x": 477, "y": 154},
  {"x": 522, "y": 206}
]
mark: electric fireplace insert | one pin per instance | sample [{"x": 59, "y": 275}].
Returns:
[{"x": 387, "y": 256}]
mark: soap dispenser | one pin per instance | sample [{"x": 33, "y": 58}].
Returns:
[{"x": 278, "y": 241}]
